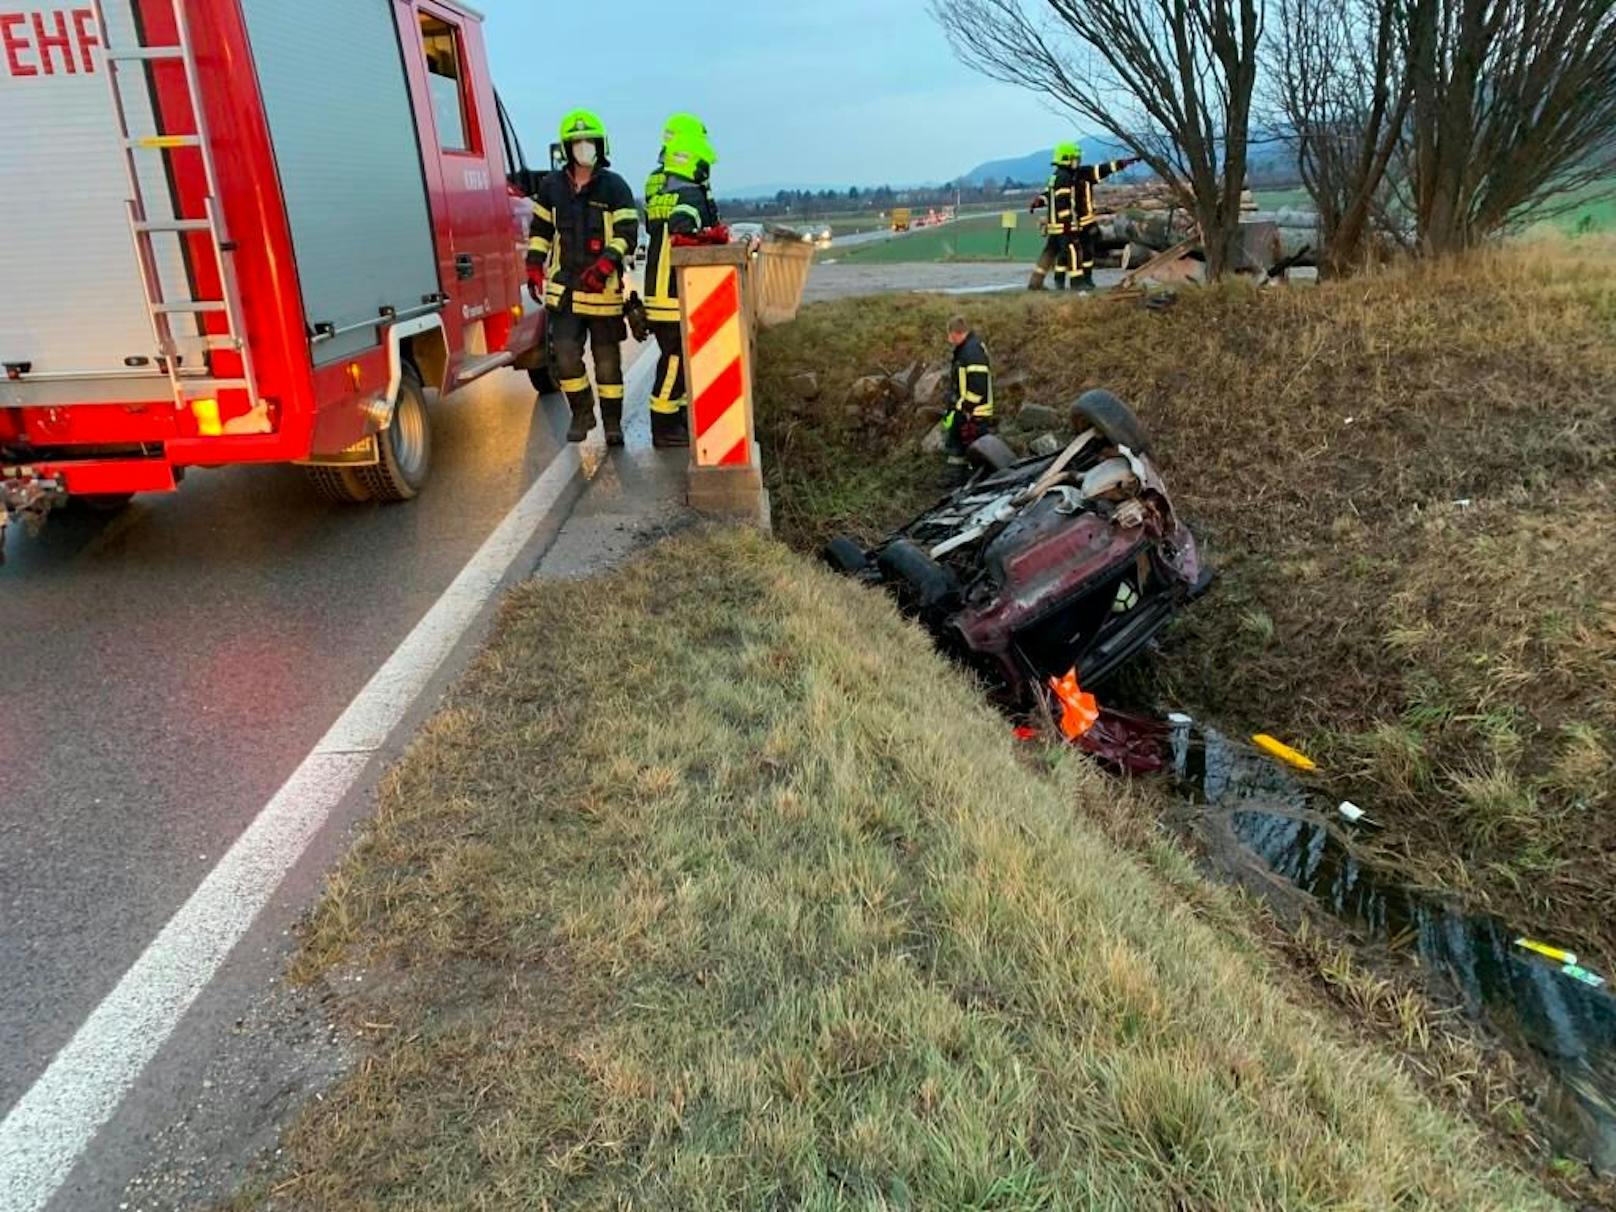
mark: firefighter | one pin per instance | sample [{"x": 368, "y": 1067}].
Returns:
[
  {"x": 679, "y": 209},
  {"x": 585, "y": 224},
  {"x": 1072, "y": 227},
  {"x": 971, "y": 414}
]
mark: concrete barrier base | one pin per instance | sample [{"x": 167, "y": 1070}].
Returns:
[{"x": 736, "y": 493}]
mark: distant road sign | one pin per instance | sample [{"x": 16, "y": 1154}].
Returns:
[{"x": 1008, "y": 220}]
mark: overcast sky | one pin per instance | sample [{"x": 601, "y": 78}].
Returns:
[{"x": 830, "y": 92}]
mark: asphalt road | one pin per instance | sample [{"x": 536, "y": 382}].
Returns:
[
  {"x": 839, "y": 281},
  {"x": 871, "y": 237},
  {"x": 166, "y": 669}
]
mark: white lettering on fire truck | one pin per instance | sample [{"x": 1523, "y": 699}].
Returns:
[
  {"x": 49, "y": 43},
  {"x": 477, "y": 180}
]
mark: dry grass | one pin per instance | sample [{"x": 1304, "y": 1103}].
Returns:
[
  {"x": 1454, "y": 662},
  {"x": 713, "y": 887}
]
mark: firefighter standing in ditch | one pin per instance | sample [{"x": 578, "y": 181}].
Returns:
[
  {"x": 1072, "y": 226},
  {"x": 584, "y": 225},
  {"x": 971, "y": 414},
  {"x": 679, "y": 210}
]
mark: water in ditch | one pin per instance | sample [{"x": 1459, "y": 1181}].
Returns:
[{"x": 1569, "y": 1024}]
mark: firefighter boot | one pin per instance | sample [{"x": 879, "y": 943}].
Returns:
[
  {"x": 611, "y": 415},
  {"x": 670, "y": 430},
  {"x": 1086, "y": 282},
  {"x": 583, "y": 416},
  {"x": 1036, "y": 282},
  {"x": 1062, "y": 282}
]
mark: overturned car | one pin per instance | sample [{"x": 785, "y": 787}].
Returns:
[{"x": 1039, "y": 566}]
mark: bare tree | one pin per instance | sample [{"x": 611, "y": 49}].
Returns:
[
  {"x": 1338, "y": 76},
  {"x": 1171, "y": 79},
  {"x": 1514, "y": 108}
]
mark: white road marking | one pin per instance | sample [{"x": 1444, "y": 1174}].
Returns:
[{"x": 47, "y": 1131}]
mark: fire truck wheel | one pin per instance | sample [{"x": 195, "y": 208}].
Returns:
[
  {"x": 543, "y": 381},
  {"x": 338, "y": 485},
  {"x": 404, "y": 447},
  {"x": 105, "y": 502}
]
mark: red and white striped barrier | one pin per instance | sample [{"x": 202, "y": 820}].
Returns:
[
  {"x": 716, "y": 313},
  {"x": 716, "y": 374}
]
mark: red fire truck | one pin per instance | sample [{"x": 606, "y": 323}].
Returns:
[{"x": 247, "y": 231}]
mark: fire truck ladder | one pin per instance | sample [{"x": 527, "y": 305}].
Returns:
[{"x": 162, "y": 308}]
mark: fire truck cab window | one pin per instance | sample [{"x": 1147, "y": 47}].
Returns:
[{"x": 443, "y": 59}]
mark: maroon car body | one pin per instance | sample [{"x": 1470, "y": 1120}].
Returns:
[{"x": 1075, "y": 560}]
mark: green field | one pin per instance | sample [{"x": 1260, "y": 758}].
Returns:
[
  {"x": 979, "y": 237},
  {"x": 1593, "y": 212},
  {"x": 1294, "y": 198},
  {"x": 973, "y": 239}
]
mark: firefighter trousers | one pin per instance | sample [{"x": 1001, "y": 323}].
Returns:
[
  {"x": 1088, "y": 241},
  {"x": 604, "y": 335},
  {"x": 668, "y": 405},
  {"x": 1061, "y": 253}
]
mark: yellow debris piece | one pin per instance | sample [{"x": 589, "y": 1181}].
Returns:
[
  {"x": 1557, "y": 954},
  {"x": 1278, "y": 749}
]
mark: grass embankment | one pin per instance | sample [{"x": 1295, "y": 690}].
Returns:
[
  {"x": 713, "y": 887},
  {"x": 1408, "y": 485}
]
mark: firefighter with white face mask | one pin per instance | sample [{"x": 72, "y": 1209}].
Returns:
[{"x": 584, "y": 226}]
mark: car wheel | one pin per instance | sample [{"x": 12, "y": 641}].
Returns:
[
  {"x": 845, "y": 555},
  {"x": 339, "y": 485},
  {"x": 1115, "y": 420},
  {"x": 404, "y": 448},
  {"x": 993, "y": 453},
  {"x": 922, "y": 583}
]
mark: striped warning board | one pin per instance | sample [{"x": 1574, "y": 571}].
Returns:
[{"x": 716, "y": 377}]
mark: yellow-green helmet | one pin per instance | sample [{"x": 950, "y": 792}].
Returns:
[
  {"x": 585, "y": 124},
  {"x": 685, "y": 146},
  {"x": 1067, "y": 155}
]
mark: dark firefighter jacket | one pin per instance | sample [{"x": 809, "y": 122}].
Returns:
[
  {"x": 1070, "y": 196},
  {"x": 571, "y": 229},
  {"x": 674, "y": 206},
  {"x": 973, "y": 378}
]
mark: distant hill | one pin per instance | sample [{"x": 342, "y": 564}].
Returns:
[
  {"x": 1269, "y": 162},
  {"x": 1033, "y": 168}
]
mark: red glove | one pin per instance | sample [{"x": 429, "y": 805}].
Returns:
[
  {"x": 535, "y": 283},
  {"x": 716, "y": 234},
  {"x": 593, "y": 280},
  {"x": 1037, "y": 203},
  {"x": 687, "y": 239}
]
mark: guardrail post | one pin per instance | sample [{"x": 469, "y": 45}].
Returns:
[{"x": 716, "y": 321}]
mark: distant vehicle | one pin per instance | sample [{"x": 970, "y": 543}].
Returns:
[
  {"x": 824, "y": 238},
  {"x": 900, "y": 218},
  {"x": 746, "y": 233},
  {"x": 299, "y": 218},
  {"x": 1038, "y": 567}
]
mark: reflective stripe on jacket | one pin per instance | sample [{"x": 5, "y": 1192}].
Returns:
[
  {"x": 573, "y": 228},
  {"x": 973, "y": 378},
  {"x": 674, "y": 206},
  {"x": 1070, "y": 195}
]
